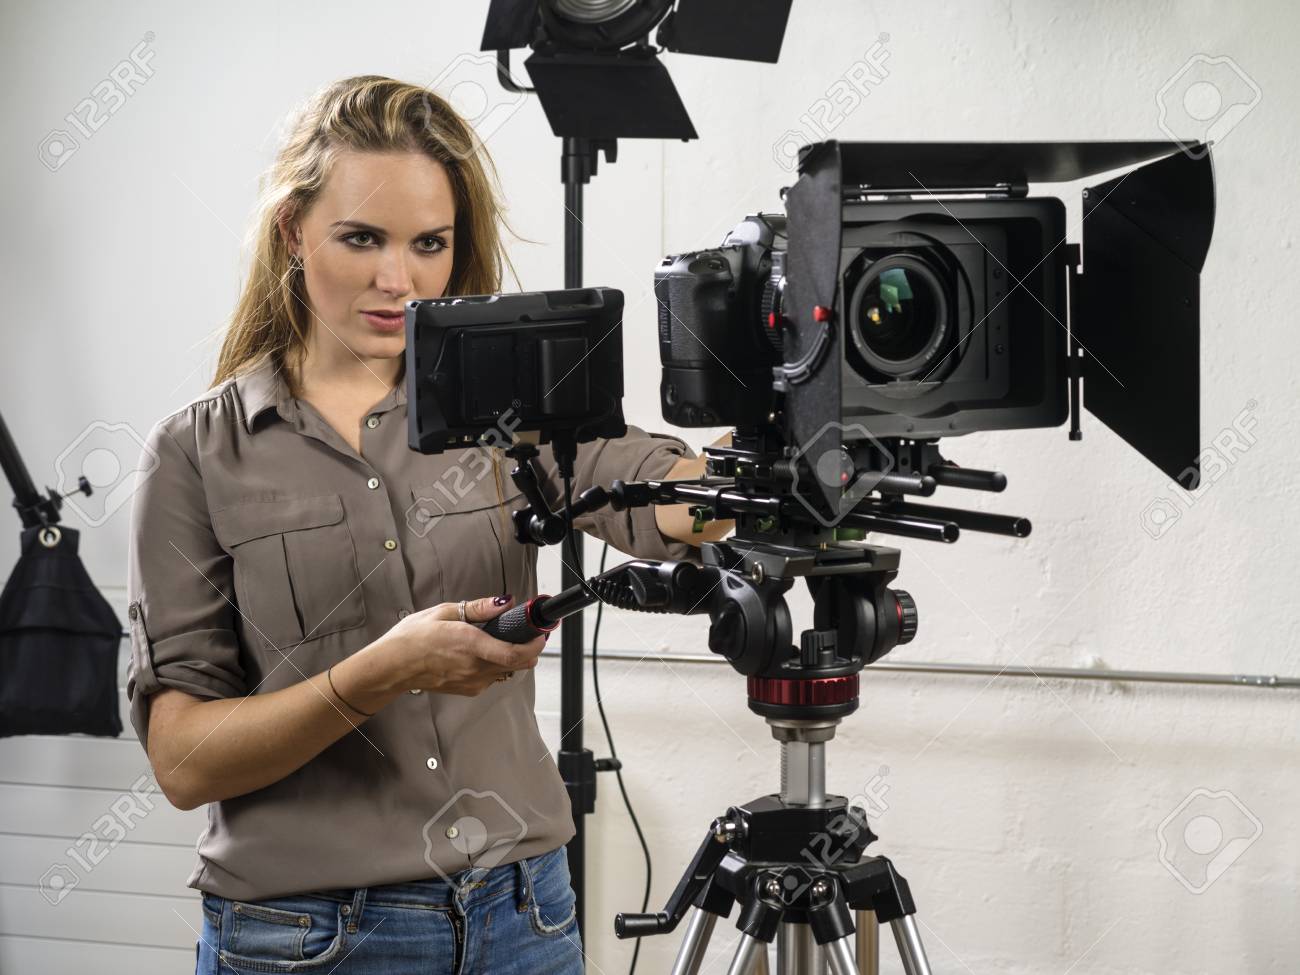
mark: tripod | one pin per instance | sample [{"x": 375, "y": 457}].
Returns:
[{"x": 794, "y": 862}]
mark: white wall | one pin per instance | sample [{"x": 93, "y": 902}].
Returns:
[{"x": 1024, "y": 813}]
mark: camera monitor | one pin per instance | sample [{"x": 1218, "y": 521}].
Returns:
[{"x": 552, "y": 361}]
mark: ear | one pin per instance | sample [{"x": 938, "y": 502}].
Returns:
[{"x": 290, "y": 232}]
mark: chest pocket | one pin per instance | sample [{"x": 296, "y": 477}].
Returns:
[
  {"x": 296, "y": 575},
  {"x": 466, "y": 524}
]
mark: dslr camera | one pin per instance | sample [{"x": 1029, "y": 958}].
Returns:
[{"x": 916, "y": 291}]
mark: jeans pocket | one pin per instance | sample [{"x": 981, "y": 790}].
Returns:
[
  {"x": 285, "y": 934},
  {"x": 554, "y": 911},
  {"x": 212, "y": 905}
]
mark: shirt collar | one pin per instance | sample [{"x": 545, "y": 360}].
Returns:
[{"x": 263, "y": 388}]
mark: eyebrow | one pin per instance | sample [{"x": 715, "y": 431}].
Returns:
[{"x": 380, "y": 230}]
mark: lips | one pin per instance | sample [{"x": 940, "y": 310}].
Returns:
[{"x": 387, "y": 322}]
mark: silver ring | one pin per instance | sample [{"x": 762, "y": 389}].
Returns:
[{"x": 460, "y": 610}]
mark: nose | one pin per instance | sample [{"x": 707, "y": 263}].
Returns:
[{"x": 392, "y": 276}]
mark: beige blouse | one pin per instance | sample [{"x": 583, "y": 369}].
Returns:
[{"x": 263, "y": 549}]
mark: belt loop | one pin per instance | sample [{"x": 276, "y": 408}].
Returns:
[
  {"x": 353, "y": 910},
  {"x": 525, "y": 886}
]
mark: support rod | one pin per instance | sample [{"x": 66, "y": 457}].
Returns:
[{"x": 1267, "y": 681}]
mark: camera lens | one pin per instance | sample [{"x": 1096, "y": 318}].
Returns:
[{"x": 898, "y": 317}]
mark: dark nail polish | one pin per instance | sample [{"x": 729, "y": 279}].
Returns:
[{"x": 501, "y": 600}]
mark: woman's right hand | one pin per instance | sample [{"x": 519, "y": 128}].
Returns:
[{"x": 433, "y": 651}]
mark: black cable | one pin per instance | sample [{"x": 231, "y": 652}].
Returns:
[
  {"x": 600, "y": 707},
  {"x": 618, "y": 772}
]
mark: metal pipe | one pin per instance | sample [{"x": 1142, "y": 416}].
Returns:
[
  {"x": 839, "y": 956},
  {"x": 908, "y": 939},
  {"x": 797, "y": 952},
  {"x": 976, "y": 521},
  {"x": 1272, "y": 681},
  {"x": 803, "y": 773},
  {"x": 746, "y": 955},
  {"x": 868, "y": 943},
  {"x": 690, "y": 956}
]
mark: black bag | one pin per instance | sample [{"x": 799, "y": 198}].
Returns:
[{"x": 59, "y": 640}]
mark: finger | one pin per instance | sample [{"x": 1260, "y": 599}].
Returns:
[
  {"x": 445, "y": 611},
  {"x": 476, "y": 610},
  {"x": 482, "y": 610},
  {"x": 527, "y": 654},
  {"x": 510, "y": 656}
]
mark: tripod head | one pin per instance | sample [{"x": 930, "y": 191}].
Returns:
[{"x": 857, "y": 618}]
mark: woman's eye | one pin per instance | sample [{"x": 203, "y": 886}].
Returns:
[{"x": 427, "y": 245}]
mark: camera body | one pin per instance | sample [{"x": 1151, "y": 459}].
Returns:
[{"x": 952, "y": 319}]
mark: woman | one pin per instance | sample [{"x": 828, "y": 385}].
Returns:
[{"x": 302, "y": 587}]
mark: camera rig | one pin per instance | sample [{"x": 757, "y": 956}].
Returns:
[
  {"x": 794, "y": 860},
  {"x": 836, "y": 436}
]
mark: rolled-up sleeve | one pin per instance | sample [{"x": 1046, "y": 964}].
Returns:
[
  {"x": 180, "y": 589},
  {"x": 636, "y": 456}
]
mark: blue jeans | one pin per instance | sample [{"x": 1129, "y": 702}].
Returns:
[{"x": 513, "y": 919}]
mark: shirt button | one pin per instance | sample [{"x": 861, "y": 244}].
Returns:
[
  {"x": 389, "y": 544},
  {"x": 372, "y": 422},
  {"x": 432, "y": 763},
  {"x": 452, "y": 832},
  {"x": 416, "y": 690},
  {"x": 372, "y": 483}
]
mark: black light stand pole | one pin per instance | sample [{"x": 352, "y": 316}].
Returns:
[
  {"x": 33, "y": 507},
  {"x": 576, "y": 763}
]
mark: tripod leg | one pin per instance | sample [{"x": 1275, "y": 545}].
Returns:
[
  {"x": 868, "y": 943},
  {"x": 910, "y": 949},
  {"x": 747, "y": 955},
  {"x": 690, "y": 956},
  {"x": 840, "y": 955},
  {"x": 797, "y": 952}
]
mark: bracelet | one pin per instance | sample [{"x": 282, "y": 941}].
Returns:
[{"x": 329, "y": 677}]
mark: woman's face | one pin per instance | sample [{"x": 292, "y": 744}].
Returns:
[{"x": 378, "y": 235}]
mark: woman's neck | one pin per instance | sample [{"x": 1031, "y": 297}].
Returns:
[{"x": 345, "y": 375}]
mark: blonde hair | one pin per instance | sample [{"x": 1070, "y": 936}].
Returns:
[{"x": 368, "y": 113}]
